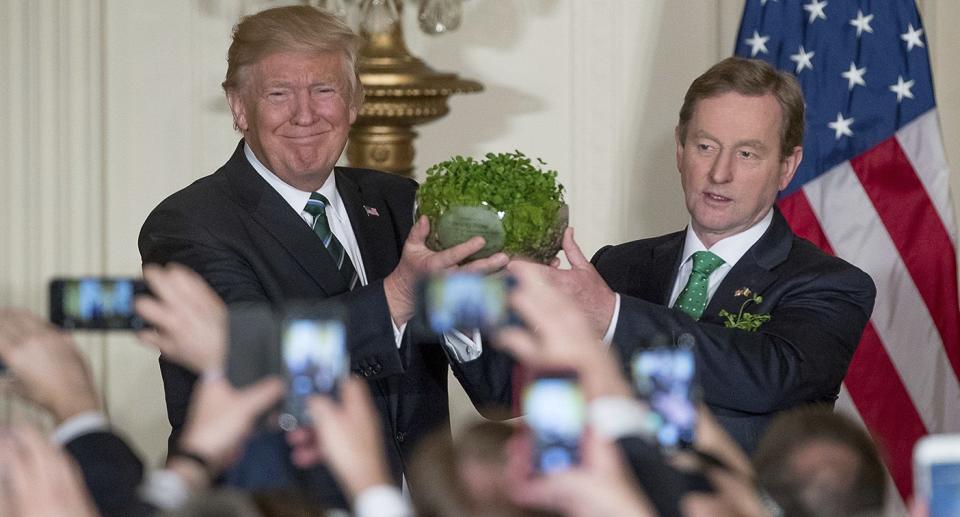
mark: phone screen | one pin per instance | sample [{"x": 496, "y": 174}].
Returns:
[
  {"x": 664, "y": 378},
  {"x": 554, "y": 409},
  {"x": 95, "y": 303},
  {"x": 315, "y": 360},
  {"x": 936, "y": 460},
  {"x": 945, "y": 489},
  {"x": 466, "y": 301}
]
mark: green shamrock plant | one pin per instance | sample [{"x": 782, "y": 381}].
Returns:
[{"x": 745, "y": 320}]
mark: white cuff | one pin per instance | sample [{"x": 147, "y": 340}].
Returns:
[
  {"x": 165, "y": 489},
  {"x": 462, "y": 348},
  {"x": 617, "y": 417},
  {"x": 381, "y": 501},
  {"x": 79, "y": 425},
  {"x": 612, "y": 328}
]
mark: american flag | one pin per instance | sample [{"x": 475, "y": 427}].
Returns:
[{"x": 873, "y": 189}]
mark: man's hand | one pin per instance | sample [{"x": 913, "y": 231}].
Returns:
[
  {"x": 221, "y": 416},
  {"x": 189, "y": 318},
  {"x": 39, "y": 478},
  {"x": 348, "y": 434},
  {"x": 46, "y": 364},
  {"x": 562, "y": 339},
  {"x": 581, "y": 282},
  {"x": 417, "y": 260}
]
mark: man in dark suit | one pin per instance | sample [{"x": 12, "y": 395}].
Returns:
[
  {"x": 775, "y": 320},
  {"x": 278, "y": 222}
]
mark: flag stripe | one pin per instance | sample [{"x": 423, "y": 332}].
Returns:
[
  {"x": 894, "y": 424},
  {"x": 920, "y": 141},
  {"x": 919, "y": 235},
  {"x": 900, "y": 317},
  {"x": 798, "y": 213}
]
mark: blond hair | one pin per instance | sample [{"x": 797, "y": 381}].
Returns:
[{"x": 297, "y": 28}]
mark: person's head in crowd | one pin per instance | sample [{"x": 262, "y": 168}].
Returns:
[
  {"x": 738, "y": 143},
  {"x": 293, "y": 90},
  {"x": 815, "y": 462},
  {"x": 465, "y": 476}
]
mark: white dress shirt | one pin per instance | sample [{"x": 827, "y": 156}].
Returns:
[
  {"x": 458, "y": 345},
  {"x": 730, "y": 249}
]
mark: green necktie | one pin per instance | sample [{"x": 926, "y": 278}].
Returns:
[
  {"x": 316, "y": 206},
  {"x": 693, "y": 298}
]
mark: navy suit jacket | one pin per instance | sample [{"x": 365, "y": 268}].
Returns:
[
  {"x": 238, "y": 233},
  {"x": 111, "y": 471},
  {"x": 818, "y": 306}
]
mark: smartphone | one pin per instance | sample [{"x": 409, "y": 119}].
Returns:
[
  {"x": 96, "y": 303},
  {"x": 313, "y": 348},
  {"x": 936, "y": 463},
  {"x": 555, "y": 411},
  {"x": 664, "y": 377},
  {"x": 466, "y": 301}
]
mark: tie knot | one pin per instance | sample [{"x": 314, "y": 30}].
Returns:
[
  {"x": 705, "y": 262},
  {"x": 316, "y": 205}
]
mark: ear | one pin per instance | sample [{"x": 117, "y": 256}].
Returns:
[
  {"x": 789, "y": 165},
  {"x": 239, "y": 110},
  {"x": 353, "y": 112},
  {"x": 679, "y": 142}
]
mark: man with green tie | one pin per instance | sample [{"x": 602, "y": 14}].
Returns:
[{"x": 775, "y": 320}]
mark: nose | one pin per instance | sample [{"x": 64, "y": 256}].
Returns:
[
  {"x": 721, "y": 170},
  {"x": 303, "y": 112}
]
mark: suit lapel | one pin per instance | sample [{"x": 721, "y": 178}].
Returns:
[
  {"x": 373, "y": 234},
  {"x": 754, "y": 269},
  {"x": 370, "y": 219},
  {"x": 655, "y": 276},
  {"x": 272, "y": 212}
]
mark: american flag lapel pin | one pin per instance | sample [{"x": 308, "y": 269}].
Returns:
[{"x": 371, "y": 211}]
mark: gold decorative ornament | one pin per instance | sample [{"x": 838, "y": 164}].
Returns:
[{"x": 401, "y": 90}]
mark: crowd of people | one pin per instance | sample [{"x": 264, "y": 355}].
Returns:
[
  {"x": 487, "y": 470},
  {"x": 770, "y": 322}
]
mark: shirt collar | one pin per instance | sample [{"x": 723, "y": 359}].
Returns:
[
  {"x": 732, "y": 248},
  {"x": 296, "y": 198}
]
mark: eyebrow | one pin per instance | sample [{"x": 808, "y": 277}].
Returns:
[{"x": 758, "y": 144}]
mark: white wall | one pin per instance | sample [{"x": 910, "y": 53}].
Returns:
[{"x": 107, "y": 106}]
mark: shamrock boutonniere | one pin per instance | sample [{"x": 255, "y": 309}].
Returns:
[{"x": 745, "y": 320}]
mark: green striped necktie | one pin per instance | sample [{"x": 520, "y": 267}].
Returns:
[{"x": 317, "y": 207}]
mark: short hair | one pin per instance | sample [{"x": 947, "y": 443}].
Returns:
[
  {"x": 296, "y": 28},
  {"x": 790, "y": 434},
  {"x": 751, "y": 77}
]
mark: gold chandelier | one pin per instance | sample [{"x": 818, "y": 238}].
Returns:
[{"x": 401, "y": 90}]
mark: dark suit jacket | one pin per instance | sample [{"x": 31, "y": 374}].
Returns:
[
  {"x": 818, "y": 307},
  {"x": 243, "y": 238},
  {"x": 112, "y": 473}
]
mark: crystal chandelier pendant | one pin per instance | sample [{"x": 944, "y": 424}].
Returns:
[
  {"x": 337, "y": 8},
  {"x": 439, "y": 16},
  {"x": 378, "y": 15}
]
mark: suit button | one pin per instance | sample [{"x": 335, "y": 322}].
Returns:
[
  {"x": 401, "y": 436},
  {"x": 367, "y": 371},
  {"x": 376, "y": 369}
]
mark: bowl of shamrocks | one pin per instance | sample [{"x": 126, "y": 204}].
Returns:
[{"x": 512, "y": 202}]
